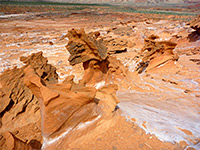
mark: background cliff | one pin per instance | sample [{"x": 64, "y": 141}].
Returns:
[{"x": 138, "y": 2}]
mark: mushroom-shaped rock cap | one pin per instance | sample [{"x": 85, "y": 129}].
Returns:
[{"x": 84, "y": 47}]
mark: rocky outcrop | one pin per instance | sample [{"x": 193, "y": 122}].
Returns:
[
  {"x": 12, "y": 87},
  {"x": 70, "y": 109},
  {"x": 89, "y": 50},
  {"x": 195, "y": 24},
  {"x": 83, "y": 47},
  {"x": 18, "y": 106},
  {"x": 66, "y": 107},
  {"x": 57, "y": 100},
  {"x": 155, "y": 54}
]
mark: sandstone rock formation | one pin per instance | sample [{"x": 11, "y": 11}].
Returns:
[
  {"x": 82, "y": 115},
  {"x": 83, "y": 47},
  {"x": 155, "y": 54},
  {"x": 195, "y": 24},
  {"x": 18, "y": 106},
  {"x": 90, "y": 51},
  {"x": 65, "y": 107},
  {"x": 68, "y": 107}
]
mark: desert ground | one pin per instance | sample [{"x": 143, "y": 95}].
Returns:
[{"x": 99, "y": 77}]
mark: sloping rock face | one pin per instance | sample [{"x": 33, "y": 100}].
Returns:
[
  {"x": 195, "y": 24},
  {"x": 18, "y": 106},
  {"x": 89, "y": 50},
  {"x": 66, "y": 107},
  {"x": 155, "y": 54}
]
